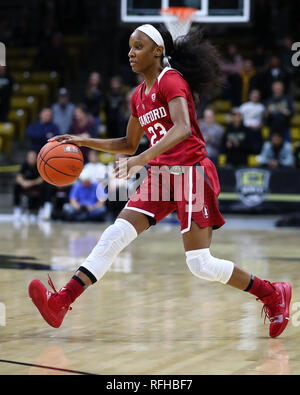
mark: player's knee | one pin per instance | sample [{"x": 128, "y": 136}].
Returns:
[
  {"x": 116, "y": 236},
  {"x": 203, "y": 265},
  {"x": 113, "y": 240}
]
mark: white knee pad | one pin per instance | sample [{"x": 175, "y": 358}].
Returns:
[
  {"x": 116, "y": 237},
  {"x": 205, "y": 266}
]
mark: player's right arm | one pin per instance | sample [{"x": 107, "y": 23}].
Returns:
[{"x": 123, "y": 145}]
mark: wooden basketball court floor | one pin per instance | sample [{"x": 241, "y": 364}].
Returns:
[{"x": 149, "y": 314}]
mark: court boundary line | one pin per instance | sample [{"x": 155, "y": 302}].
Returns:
[{"x": 47, "y": 367}]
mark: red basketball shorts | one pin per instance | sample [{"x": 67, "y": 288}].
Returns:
[{"x": 193, "y": 194}]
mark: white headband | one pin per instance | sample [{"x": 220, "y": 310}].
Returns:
[{"x": 155, "y": 35}]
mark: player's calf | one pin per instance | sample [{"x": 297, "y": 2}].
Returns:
[{"x": 54, "y": 306}]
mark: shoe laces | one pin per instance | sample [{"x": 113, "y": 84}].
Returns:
[
  {"x": 271, "y": 308},
  {"x": 50, "y": 282}
]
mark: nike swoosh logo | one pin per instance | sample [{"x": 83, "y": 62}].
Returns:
[{"x": 277, "y": 319}]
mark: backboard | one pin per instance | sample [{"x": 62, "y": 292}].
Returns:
[{"x": 208, "y": 11}]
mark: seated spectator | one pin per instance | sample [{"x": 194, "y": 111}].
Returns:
[
  {"x": 119, "y": 190},
  {"x": 241, "y": 83},
  {"x": 231, "y": 65},
  {"x": 232, "y": 62},
  {"x": 87, "y": 201},
  {"x": 39, "y": 132},
  {"x": 279, "y": 110},
  {"x": 213, "y": 134},
  {"x": 247, "y": 79},
  {"x": 28, "y": 185},
  {"x": 297, "y": 155},
  {"x": 92, "y": 97},
  {"x": 83, "y": 123},
  {"x": 274, "y": 72},
  {"x": 276, "y": 153},
  {"x": 63, "y": 111},
  {"x": 236, "y": 141},
  {"x": 113, "y": 105},
  {"x": 253, "y": 116},
  {"x": 6, "y": 84},
  {"x": 59, "y": 197},
  {"x": 94, "y": 168},
  {"x": 260, "y": 59}
]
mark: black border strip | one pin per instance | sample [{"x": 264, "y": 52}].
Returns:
[{"x": 47, "y": 367}]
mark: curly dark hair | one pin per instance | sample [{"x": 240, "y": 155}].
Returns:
[{"x": 196, "y": 59}]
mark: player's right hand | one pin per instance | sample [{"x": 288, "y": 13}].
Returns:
[{"x": 68, "y": 138}]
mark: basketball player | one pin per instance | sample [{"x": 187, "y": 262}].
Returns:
[{"x": 163, "y": 107}]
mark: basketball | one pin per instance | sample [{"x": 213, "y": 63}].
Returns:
[{"x": 60, "y": 164}]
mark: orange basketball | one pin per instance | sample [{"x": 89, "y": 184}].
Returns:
[{"x": 60, "y": 164}]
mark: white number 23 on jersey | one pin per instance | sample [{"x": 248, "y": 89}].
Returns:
[{"x": 157, "y": 131}]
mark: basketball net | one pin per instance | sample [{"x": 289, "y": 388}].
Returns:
[{"x": 178, "y": 20}]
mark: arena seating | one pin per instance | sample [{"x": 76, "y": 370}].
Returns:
[
  {"x": 34, "y": 89},
  {"x": 222, "y": 115}
]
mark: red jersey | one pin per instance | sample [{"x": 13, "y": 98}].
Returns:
[{"x": 153, "y": 113}]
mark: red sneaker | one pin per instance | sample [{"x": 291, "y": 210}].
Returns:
[
  {"x": 277, "y": 307},
  {"x": 52, "y": 306}
]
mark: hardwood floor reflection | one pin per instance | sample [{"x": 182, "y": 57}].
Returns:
[{"x": 149, "y": 314}]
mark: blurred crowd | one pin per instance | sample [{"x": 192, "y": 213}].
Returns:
[{"x": 261, "y": 92}]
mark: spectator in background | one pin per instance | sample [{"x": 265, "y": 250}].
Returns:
[
  {"x": 63, "y": 111},
  {"x": 213, "y": 135},
  {"x": 6, "y": 85},
  {"x": 259, "y": 59},
  {"x": 231, "y": 65},
  {"x": 274, "y": 72},
  {"x": 83, "y": 125},
  {"x": 297, "y": 155},
  {"x": 92, "y": 97},
  {"x": 253, "y": 117},
  {"x": 279, "y": 109},
  {"x": 247, "y": 79},
  {"x": 87, "y": 201},
  {"x": 232, "y": 62},
  {"x": 96, "y": 170},
  {"x": 276, "y": 153},
  {"x": 113, "y": 105},
  {"x": 29, "y": 184},
  {"x": 119, "y": 190},
  {"x": 236, "y": 141},
  {"x": 125, "y": 112},
  {"x": 39, "y": 132}
]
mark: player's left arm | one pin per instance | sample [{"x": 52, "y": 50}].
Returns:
[{"x": 180, "y": 130}]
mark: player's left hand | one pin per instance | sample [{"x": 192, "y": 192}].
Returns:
[{"x": 128, "y": 167}]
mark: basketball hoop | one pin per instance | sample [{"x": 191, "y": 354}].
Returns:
[{"x": 178, "y": 20}]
